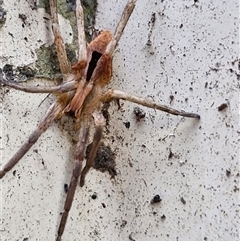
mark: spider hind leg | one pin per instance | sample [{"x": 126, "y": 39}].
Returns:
[
  {"x": 100, "y": 123},
  {"x": 79, "y": 157},
  {"x": 52, "y": 113}
]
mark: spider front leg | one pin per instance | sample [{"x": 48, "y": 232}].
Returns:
[
  {"x": 79, "y": 156},
  {"x": 117, "y": 94},
  {"x": 69, "y": 85},
  {"x": 58, "y": 40},
  {"x": 111, "y": 94},
  {"x": 82, "y": 50},
  {"x": 50, "y": 116},
  {"x": 121, "y": 25}
]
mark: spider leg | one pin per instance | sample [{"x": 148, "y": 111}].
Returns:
[
  {"x": 121, "y": 25},
  {"x": 82, "y": 51},
  {"x": 100, "y": 123},
  {"x": 64, "y": 87},
  {"x": 79, "y": 156},
  {"x": 50, "y": 116},
  {"x": 117, "y": 94},
  {"x": 58, "y": 40}
]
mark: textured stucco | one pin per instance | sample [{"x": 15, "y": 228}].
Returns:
[{"x": 186, "y": 58}]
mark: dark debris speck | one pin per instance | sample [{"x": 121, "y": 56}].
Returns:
[
  {"x": 170, "y": 155},
  {"x": 183, "y": 200},
  {"x": 127, "y": 124},
  {"x": 123, "y": 224},
  {"x": 104, "y": 160},
  {"x": 139, "y": 113},
  {"x": 156, "y": 199},
  {"x": 222, "y": 107},
  {"x": 94, "y": 196},
  {"x": 163, "y": 217},
  {"x": 228, "y": 172},
  {"x": 66, "y": 187}
]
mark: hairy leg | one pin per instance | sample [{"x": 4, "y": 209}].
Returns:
[
  {"x": 58, "y": 40},
  {"x": 121, "y": 25},
  {"x": 64, "y": 87},
  {"x": 50, "y": 116},
  {"x": 79, "y": 156},
  {"x": 82, "y": 49},
  {"x": 100, "y": 123},
  {"x": 117, "y": 94}
]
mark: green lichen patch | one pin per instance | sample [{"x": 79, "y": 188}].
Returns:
[
  {"x": 90, "y": 9},
  {"x": 2, "y": 14},
  {"x": 11, "y": 72},
  {"x": 47, "y": 61},
  {"x": 67, "y": 9}
]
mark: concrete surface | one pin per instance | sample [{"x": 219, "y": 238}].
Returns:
[{"x": 190, "y": 63}]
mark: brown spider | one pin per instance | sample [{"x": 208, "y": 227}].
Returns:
[{"x": 82, "y": 93}]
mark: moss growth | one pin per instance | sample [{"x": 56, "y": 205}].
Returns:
[
  {"x": 47, "y": 63},
  {"x": 67, "y": 9},
  {"x": 2, "y": 14},
  {"x": 89, "y": 8},
  {"x": 22, "y": 73}
]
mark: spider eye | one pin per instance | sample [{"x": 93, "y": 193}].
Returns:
[{"x": 92, "y": 64}]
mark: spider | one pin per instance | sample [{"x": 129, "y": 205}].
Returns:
[{"x": 82, "y": 92}]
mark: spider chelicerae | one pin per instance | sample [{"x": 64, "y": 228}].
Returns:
[{"x": 82, "y": 92}]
